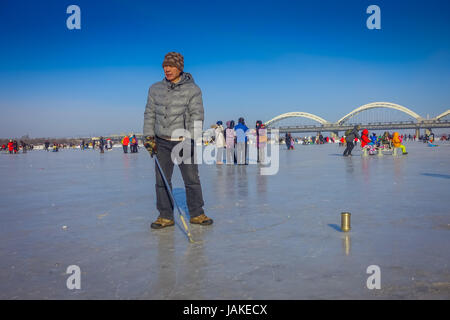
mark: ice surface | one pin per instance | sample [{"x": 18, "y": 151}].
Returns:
[{"x": 274, "y": 237}]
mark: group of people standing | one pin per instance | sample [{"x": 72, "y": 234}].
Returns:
[
  {"x": 102, "y": 144},
  {"x": 13, "y": 146},
  {"x": 289, "y": 140},
  {"x": 55, "y": 147},
  {"x": 234, "y": 138},
  {"x": 132, "y": 142}
]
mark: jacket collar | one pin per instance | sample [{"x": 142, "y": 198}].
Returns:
[{"x": 185, "y": 78}]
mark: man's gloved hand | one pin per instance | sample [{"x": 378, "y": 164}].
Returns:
[{"x": 150, "y": 145}]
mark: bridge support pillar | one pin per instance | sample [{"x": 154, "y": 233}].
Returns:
[
  {"x": 417, "y": 133},
  {"x": 335, "y": 134}
]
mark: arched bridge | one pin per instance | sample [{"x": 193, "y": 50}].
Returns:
[
  {"x": 342, "y": 124},
  {"x": 296, "y": 114}
]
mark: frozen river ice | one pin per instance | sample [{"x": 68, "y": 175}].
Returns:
[{"x": 274, "y": 237}]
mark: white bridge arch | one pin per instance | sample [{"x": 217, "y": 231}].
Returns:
[
  {"x": 379, "y": 105},
  {"x": 443, "y": 114},
  {"x": 296, "y": 114}
]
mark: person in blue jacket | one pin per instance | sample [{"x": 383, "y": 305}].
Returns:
[
  {"x": 374, "y": 139},
  {"x": 241, "y": 140}
]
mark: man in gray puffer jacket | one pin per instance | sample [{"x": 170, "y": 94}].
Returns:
[
  {"x": 174, "y": 103},
  {"x": 350, "y": 140}
]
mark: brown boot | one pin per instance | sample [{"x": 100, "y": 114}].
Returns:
[
  {"x": 202, "y": 220},
  {"x": 162, "y": 223}
]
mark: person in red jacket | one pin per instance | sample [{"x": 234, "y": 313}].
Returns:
[
  {"x": 10, "y": 146},
  {"x": 366, "y": 142},
  {"x": 125, "y": 142},
  {"x": 365, "y": 138}
]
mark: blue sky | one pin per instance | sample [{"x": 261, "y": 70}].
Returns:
[{"x": 254, "y": 59}]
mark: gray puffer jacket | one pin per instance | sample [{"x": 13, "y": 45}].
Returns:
[
  {"x": 354, "y": 134},
  {"x": 172, "y": 106}
]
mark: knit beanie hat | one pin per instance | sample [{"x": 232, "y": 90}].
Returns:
[{"x": 174, "y": 59}]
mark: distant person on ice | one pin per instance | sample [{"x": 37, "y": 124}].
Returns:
[
  {"x": 133, "y": 144},
  {"x": 11, "y": 146},
  {"x": 374, "y": 139},
  {"x": 16, "y": 146},
  {"x": 220, "y": 141},
  {"x": 101, "y": 144},
  {"x": 230, "y": 137},
  {"x": 350, "y": 136},
  {"x": 241, "y": 141},
  {"x": 287, "y": 140},
  {"x": 398, "y": 143},
  {"x": 108, "y": 144},
  {"x": 261, "y": 140},
  {"x": 24, "y": 146},
  {"x": 366, "y": 142},
  {"x": 125, "y": 142},
  {"x": 174, "y": 103}
]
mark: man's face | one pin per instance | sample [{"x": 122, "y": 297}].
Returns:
[{"x": 172, "y": 73}]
